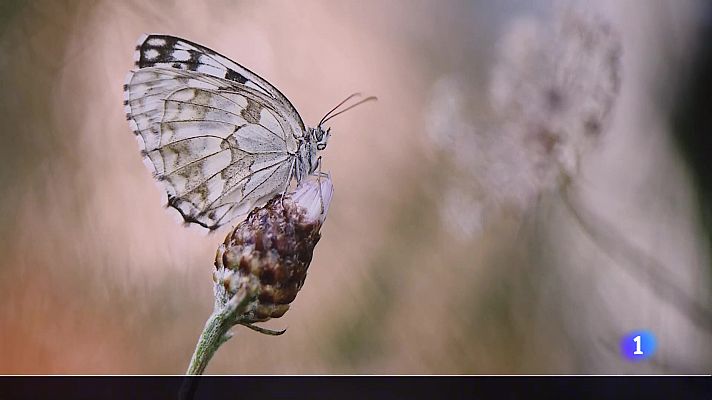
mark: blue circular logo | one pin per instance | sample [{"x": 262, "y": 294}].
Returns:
[{"x": 638, "y": 345}]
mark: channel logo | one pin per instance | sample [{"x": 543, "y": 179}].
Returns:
[{"x": 638, "y": 345}]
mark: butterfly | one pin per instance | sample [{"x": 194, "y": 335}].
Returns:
[{"x": 217, "y": 137}]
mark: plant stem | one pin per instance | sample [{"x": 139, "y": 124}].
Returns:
[
  {"x": 212, "y": 337},
  {"x": 217, "y": 330},
  {"x": 215, "y": 333},
  {"x": 639, "y": 263}
]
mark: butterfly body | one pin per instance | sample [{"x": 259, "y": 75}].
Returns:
[{"x": 220, "y": 139}]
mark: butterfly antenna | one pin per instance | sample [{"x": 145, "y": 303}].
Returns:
[
  {"x": 367, "y": 99},
  {"x": 337, "y": 106}
]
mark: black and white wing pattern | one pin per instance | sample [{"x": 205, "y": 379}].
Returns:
[{"x": 220, "y": 139}]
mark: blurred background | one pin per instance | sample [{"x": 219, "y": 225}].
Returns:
[{"x": 531, "y": 185}]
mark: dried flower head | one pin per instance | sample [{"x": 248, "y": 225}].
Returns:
[
  {"x": 552, "y": 90},
  {"x": 261, "y": 266},
  {"x": 271, "y": 250},
  {"x": 557, "y": 85}
]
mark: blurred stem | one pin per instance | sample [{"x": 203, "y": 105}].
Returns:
[{"x": 639, "y": 263}]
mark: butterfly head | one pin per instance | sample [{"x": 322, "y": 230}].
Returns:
[{"x": 320, "y": 137}]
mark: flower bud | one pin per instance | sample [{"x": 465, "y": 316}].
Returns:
[{"x": 272, "y": 248}]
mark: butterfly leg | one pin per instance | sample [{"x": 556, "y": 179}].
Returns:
[
  {"x": 319, "y": 175},
  {"x": 289, "y": 181}
]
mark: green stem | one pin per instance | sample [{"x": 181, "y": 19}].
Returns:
[{"x": 217, "y": 330}]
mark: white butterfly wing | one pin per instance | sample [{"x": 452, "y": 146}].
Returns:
[{"x": 219, "y": 147}]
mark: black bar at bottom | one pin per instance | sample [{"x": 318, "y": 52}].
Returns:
[{"x": 357, "y": 387}]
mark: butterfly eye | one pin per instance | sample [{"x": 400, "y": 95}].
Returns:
[{"x": 321, "y": 146}]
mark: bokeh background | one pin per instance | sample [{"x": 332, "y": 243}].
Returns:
[{"x": 471, "y": 231}]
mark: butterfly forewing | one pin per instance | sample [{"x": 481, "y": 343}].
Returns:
[
  {"x": 169, "y": 51},
  {"x": 220, "y": 139}
]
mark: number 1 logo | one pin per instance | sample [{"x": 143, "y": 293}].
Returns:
[{"x": 638, "y": 345}]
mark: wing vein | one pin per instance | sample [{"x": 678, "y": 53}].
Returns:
[
  {"x": 244, "y": 195},
  {"x": 195, "y": 161},
  {"x": 221, "y": 138},
  {"x": 228, "y": 189},
  {"x": 225, "y": 111}
]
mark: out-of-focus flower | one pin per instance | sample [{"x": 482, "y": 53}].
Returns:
[
  {"x": 271, "y": 249},
  {"x": 552, "y": 90},
  {"x": 558, "y": 86}
]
